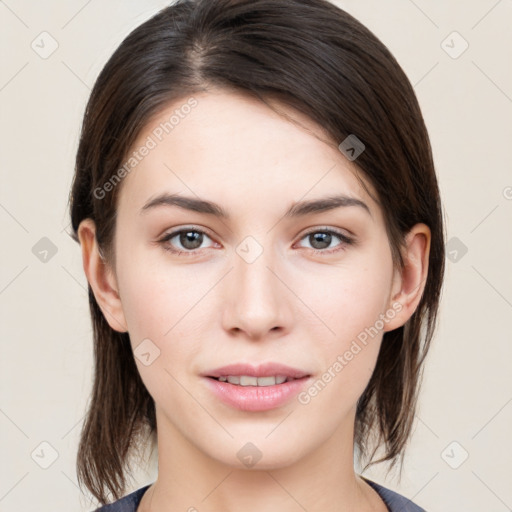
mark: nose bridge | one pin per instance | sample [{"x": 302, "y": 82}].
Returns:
[{"x": 258, "y": 302}]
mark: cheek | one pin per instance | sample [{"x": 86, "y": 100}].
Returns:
[
  {"x": 158, "y": 310},
  {"x": 155, "y": 297},
  {"x": 349, "y": 300},
  {"x": 158, "y": 305},
  {"x": 349, "y": 356}
]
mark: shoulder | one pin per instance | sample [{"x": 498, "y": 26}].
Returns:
[
  {"x": 394, "y": 501},
  {"x": 127, "y": 504}
]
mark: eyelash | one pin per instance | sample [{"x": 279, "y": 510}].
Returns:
[{"x": 344, "y": 239}]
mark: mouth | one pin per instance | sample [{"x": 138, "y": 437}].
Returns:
[
  {"x": 260, "y": 388},
  {"x": 248, "y": 380},
  {"x": 244, "y": 374}
]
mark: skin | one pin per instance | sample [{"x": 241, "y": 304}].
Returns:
[{"x": 214, "y": 308}]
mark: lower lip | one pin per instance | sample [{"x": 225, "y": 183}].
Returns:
[{"x": 256, "y": 398}]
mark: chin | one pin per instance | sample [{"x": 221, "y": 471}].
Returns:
[{"x": 254, "y": 454}]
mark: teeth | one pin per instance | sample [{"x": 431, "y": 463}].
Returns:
[{"x": 246, "y": 380}]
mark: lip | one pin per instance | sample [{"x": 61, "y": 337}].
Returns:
[
  {"x": 256, "y": 398},
  {"x": 262, "y": 370}
]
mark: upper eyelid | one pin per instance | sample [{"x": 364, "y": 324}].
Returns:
[
  {"x": 173, "y": 232},
  {"x": 336, "y": 231}
]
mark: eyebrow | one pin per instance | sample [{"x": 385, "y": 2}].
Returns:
[{"x": 298, "y": 209}]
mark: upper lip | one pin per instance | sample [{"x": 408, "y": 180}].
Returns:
[{"x": 262, "y": 370}]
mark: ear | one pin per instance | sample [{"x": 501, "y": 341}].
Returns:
[
  {"x": 101, "y": 277},
  {"x": 409, "y": 282}
]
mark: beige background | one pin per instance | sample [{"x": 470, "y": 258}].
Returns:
[{"x": 466, "y": 402}]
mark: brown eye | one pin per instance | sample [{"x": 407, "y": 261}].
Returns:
[
  {"x": 184, "y": 241},
  {"x": 321, "y": 240},
  {"x": 190, "y": 239}
]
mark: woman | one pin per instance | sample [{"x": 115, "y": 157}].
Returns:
[{"x": 262, "y": 234}]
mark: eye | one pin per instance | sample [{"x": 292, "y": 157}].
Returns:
[
  {"x": 320, "y": 239},
  {"x": 188, "y": 240}
]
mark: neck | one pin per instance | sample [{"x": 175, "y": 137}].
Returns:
[{"x": 189, "y": 480}]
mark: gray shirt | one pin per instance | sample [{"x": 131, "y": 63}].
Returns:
[{"x": 394, "y": 501}]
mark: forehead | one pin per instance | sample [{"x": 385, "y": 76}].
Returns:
[{"x": 236, "y": 150}]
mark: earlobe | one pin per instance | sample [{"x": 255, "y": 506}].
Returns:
[
  {"x": 100, "y": 277},
  {"x": 409, "y": 283}
]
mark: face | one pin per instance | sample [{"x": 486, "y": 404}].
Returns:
[{"x": 266, "y": 283}]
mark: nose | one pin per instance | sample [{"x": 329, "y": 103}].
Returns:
[{"x": 257, "y": 303}]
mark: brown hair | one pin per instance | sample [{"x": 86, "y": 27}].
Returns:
[{"x": 318, "y": 59}]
